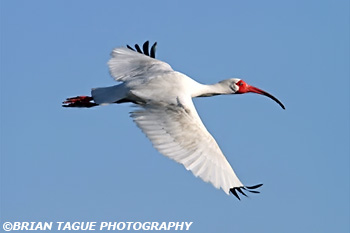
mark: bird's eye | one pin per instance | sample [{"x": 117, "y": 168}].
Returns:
[{"x": 240, "y": 84}]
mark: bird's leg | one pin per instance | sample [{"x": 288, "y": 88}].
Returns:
[{"x": 79, "y": 102}]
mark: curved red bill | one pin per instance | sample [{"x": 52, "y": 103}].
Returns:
[{"x": 261, "y": 92}]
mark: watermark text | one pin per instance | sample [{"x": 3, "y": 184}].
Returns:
[{"x": 96, "y": 226}]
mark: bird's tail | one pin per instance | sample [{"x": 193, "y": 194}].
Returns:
[
  {"x": 108, "y": 95},
  {"x": 99, "y": 96}
]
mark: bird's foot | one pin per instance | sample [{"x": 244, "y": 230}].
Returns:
[{"x": 79, "y": 102}]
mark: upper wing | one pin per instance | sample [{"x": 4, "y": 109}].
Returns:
[
  {"x": 126, "y": 63},
  {"x": 177, "y": 132}
]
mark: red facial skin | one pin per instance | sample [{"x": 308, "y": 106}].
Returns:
[{"x": 245, "y": 88}]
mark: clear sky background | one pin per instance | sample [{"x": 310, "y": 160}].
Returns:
[{"x": 61, "y": 164}]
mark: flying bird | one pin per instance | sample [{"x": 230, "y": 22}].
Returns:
[{"x": 166, "y": 113}]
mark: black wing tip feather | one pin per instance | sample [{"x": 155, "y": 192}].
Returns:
[
  {"x": 247, "y": 188},
  {"x": 145, "y": 47}
]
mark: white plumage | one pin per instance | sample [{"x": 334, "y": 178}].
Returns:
[
  {"x": 166, "y": 113},
  {"x": 177, "y": 132}
]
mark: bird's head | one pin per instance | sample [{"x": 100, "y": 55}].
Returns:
[{"x": 238, "y": 86}]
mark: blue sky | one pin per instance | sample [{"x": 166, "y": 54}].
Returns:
[{"x": 94, "y": 164}]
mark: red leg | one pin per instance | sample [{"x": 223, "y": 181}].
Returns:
[{"x": 80, "y": 102}]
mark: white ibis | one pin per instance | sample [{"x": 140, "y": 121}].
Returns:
[{"x": 166, "y": 113}]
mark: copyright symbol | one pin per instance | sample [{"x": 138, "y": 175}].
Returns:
[{"x": 7, "y": 226}]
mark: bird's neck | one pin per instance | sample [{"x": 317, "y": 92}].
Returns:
[{"x": 211, "y": 90}]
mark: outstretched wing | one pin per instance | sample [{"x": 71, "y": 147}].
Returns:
[
  {"x": 177, "y": 132},
  {"x": 127, "y": 64}
]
